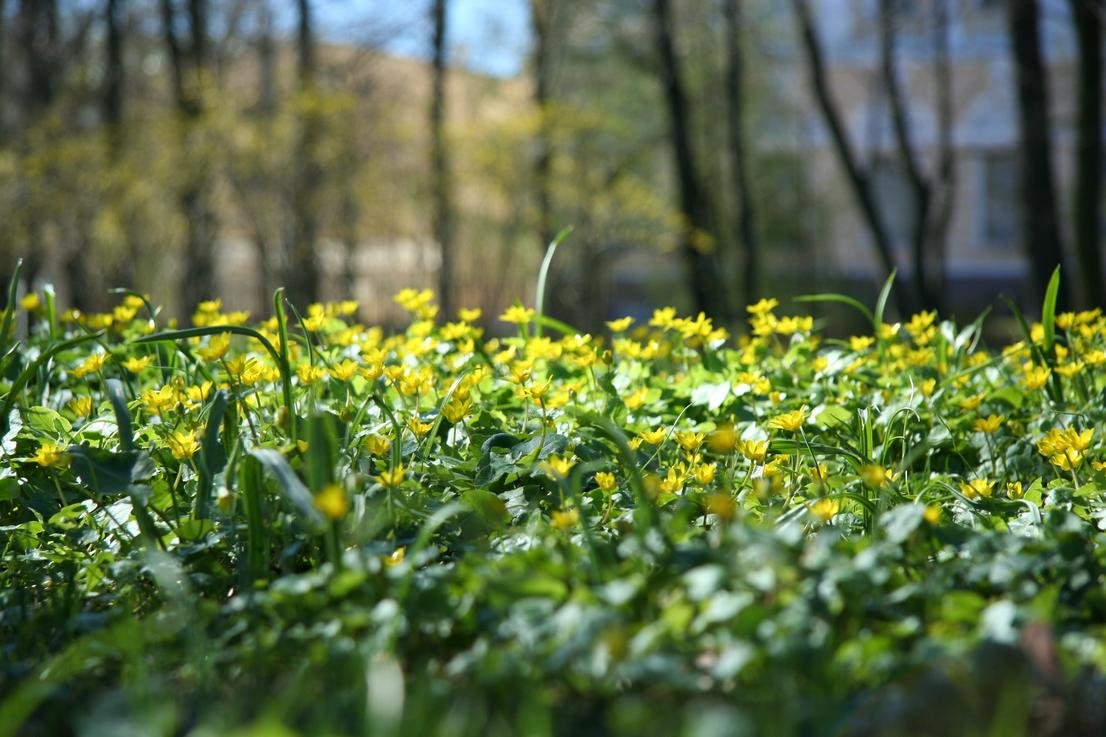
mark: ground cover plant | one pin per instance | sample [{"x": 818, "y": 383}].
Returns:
[{"x": 305, "y": 525}]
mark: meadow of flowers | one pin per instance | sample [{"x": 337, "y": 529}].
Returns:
[{"x": 304, "y": 525}]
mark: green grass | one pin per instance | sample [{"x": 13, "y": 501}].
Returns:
[{"x": 310, "y": 527}]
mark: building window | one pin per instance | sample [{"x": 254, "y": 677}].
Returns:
[
  {"x": 1000, "y": 210},
  {"x": 895, "y": 199}
]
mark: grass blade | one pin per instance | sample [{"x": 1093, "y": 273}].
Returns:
[
  {"x": 122, "y": 414},
  {"x": 23, "y": 378},
  {"x": 1048, "y": 313},
  {"x": 884, "y": 295},
  {"x": 843, "y": 299},
  {"x": 9, "y": 312},
  {"x": 543, "y": 276}
]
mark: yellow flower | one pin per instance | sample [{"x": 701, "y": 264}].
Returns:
[
  {"x": 182, "y": 444},
  {"x": 563, "y": 519},
  {"x": 1064, "y": 447},
  {"x": 456, "y": 410},
  {"x": 663, "y": 317},
  {"x": 1014, "y": 489},
  {"x": 825, "y": 509},
  {"x": 606, "y": 482},
  {"x": 635, "y": 399},
  {"x": 80, "y": 406},
  {"x": 469, "y": 315},
  {"x": 887, "y": 332},
  {"x": 158, "y": 401},
  {"x": 392, "y": 478},
  {"x": 754, "y": 450},
  {"x": 378, "y": 445},
  {"x": 315, "y": 323},
  {"x": 245, "y": 370},
  {"x": 134, "y": 364},
  {"x": 673, "y": 482},
  {"x": 722, "y": 506},
  {"x": 197, "y": 394},
  {"x": 789, "y": 421},
  {"x": 51, "y": 455},
  {"x": 419, "y": 427},
  {"x": 971, "y": 403},
  {"x": 309, "y": 374},
  {"x": 344, "y": 371},
  {"x": 763, "y": 307},
  {"x": 517, "y": 314},
  {"x": 332, "y": 502},
  {"x": 988, "y": 425},
  {"x": 861, "y": 342},
  {"x": 704, "y": 473},
  {"x": 688, "y": 440},
  {"x": 90, "y": 365},
  {"x": 216, "y": 348},
  {"x": 723, "y": 439},
  {"x": 398, "y": 555},
  {"x": 653, "y": 437},
  {"x": 819, "y": 473},
  {"x": 1036, "y": 377},
  {"x": 620, "y": 325},
  {"x": 30, "y": 302},
  {"x": 927, "y": 387},
  {"x": 976, "y": 488},
  {"x": 932, "y": 514},
  {"x": 875, "y": 475},
  {"x": 921, "y": 322},
  {"x": 558, "y": 466}
]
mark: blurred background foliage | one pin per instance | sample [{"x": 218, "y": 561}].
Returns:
[{"x": 706, "y": 152}]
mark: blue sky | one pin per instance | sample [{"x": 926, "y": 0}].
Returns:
[{"x": 490, "y": 36}]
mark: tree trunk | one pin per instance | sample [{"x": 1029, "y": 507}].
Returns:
[
  {"x": 443, "y": 214},
  {"x": 1088, "y": 21},
  {"x": 920, "y": 188},
  {"x": 38, "y": 39},
  {"x": 1041, "y": 224},
  {"x": 945, "y": 190},
  {"x": 702, "y": 265},
  {"x": 266, "y": 60},
  {"x": 858, "y": 179},
  {"x": 113, "y": 67},
  {"x": 302, "y": 275},
  {"x": 187, "y": 76},
  {"x": 540, "y": 16},
  {"x": 745, "y": 225},
  {"x": 3, "y": 88}
]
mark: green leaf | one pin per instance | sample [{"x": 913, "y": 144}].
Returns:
[
  {"x": 489, "y": 507},
  {"x": 1048, "y": 312},
  {"x": 46, "y": 420},
  {"x": 884, "y": 295},
  {"x": 108, "y": 473},
  {"x": 29, "y": 372},
  {"x": 543, "y": 276},
  {"x": 122, "y": 414},
  {"x": 843, "y": 299},
  {"x": 290, "y": 487}
]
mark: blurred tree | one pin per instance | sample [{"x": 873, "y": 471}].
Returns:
[
  {"x": 302, "y": 269},
  {"x": 1089, "y": 17},
  {"x": 745, "y": 226},
  {"x": 439, "y": 155},
  {"x": 190, "y": 77},
  {"x": 541, "y": 26},
  {"x": 930, "y": 225},
  {"x": 858, "y": 177},
  {"x": 699, "y": 242},
  {"x": 1040, "y": 220},
  {"x": 39, "y": 41}
]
